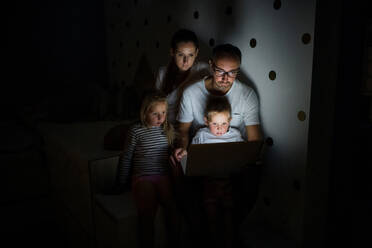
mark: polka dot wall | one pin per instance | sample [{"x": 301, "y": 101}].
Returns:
[{"x": 276, "y": 40}]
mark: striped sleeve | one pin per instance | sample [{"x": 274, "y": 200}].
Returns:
[
  {"x": 125, "y": 160},
  {"x": 146, "y": 152}
]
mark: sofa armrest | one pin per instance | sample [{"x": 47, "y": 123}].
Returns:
[{"x": 103, "y": 174}]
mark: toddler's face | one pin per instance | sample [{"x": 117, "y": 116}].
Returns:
[
  {"x": 156, "y": 114},
  {"x": 218, "y": 123}
]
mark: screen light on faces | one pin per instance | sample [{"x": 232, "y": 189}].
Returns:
[
  {"x": 156, "y": 114},
  {"x": 218, "y": 123},
  {"x": 185, "y": 55}
]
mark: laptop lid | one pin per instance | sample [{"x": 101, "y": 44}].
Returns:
[{"x": 220, "y": 159}]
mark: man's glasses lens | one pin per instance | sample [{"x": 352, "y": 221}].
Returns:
[{"x": 221, "y": 73}]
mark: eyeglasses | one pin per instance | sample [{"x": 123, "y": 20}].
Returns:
[{"x": 220, "y": 72}]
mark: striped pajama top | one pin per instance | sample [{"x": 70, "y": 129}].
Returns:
[{"x": 146, "y": 152}]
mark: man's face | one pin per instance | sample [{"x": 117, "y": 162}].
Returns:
[
  {"x": 218, "y": 123},
  {"x": 225, "y": 71}
]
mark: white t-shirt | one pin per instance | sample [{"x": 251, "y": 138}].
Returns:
[
  {"x": 198, "y": 70},
  {"x": 242, "y": 98},
  {"x": 204, "y": 136}
]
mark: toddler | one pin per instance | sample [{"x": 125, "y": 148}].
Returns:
[{"x": 217, "y": 200}]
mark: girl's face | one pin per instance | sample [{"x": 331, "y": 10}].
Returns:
[
  {"x": 218, "y": 123},
  {"x": 156, "y": 114},
  {"x": 185, "y": 55}
]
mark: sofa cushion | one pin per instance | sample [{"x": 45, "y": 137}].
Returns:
[
  {"x": 115, "y": 137},
  {"x": 117, "y": 206}
]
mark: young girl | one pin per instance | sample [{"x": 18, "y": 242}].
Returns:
[
  {"x": 182, "y": 69},
  {"x": 145, "y": 163}
]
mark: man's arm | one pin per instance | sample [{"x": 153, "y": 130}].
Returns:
[
  {"x": 183, "y": 129},
  {"x": 253, "y": 132}
]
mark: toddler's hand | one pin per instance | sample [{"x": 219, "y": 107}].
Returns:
[
  {"x": 175, "y": 159},
  {"x": 179, "y": 153}
]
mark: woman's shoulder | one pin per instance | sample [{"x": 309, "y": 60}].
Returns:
[
  {"x": 200, "y": 66},
  {"x": 162, "y": 70},
  {"x": 160, "y": 77}
]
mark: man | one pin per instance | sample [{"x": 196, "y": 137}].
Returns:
[{"x": 225, "y": 64}]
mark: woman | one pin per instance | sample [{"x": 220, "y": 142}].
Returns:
[{"x": 181, "y": 71}]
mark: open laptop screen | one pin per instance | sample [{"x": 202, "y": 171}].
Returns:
[{"x": 220, "y": 159}]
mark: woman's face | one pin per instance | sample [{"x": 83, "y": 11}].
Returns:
[{"x": 185, "y": 55}]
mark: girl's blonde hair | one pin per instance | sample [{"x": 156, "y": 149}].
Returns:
[{"x": 149, "y": 100}]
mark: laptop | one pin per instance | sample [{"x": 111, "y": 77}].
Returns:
[{"x": 220, "y": 159}]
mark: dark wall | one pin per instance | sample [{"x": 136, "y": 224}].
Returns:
[
  {"x": 56, "y": 59},
  {"x": 350, "y": 202},
  {"x": 339, "y": 108}
]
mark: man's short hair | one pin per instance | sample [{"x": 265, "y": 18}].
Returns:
[
  {"x": 226, "y": 51},
  {"x": 217, "y": 104}
]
